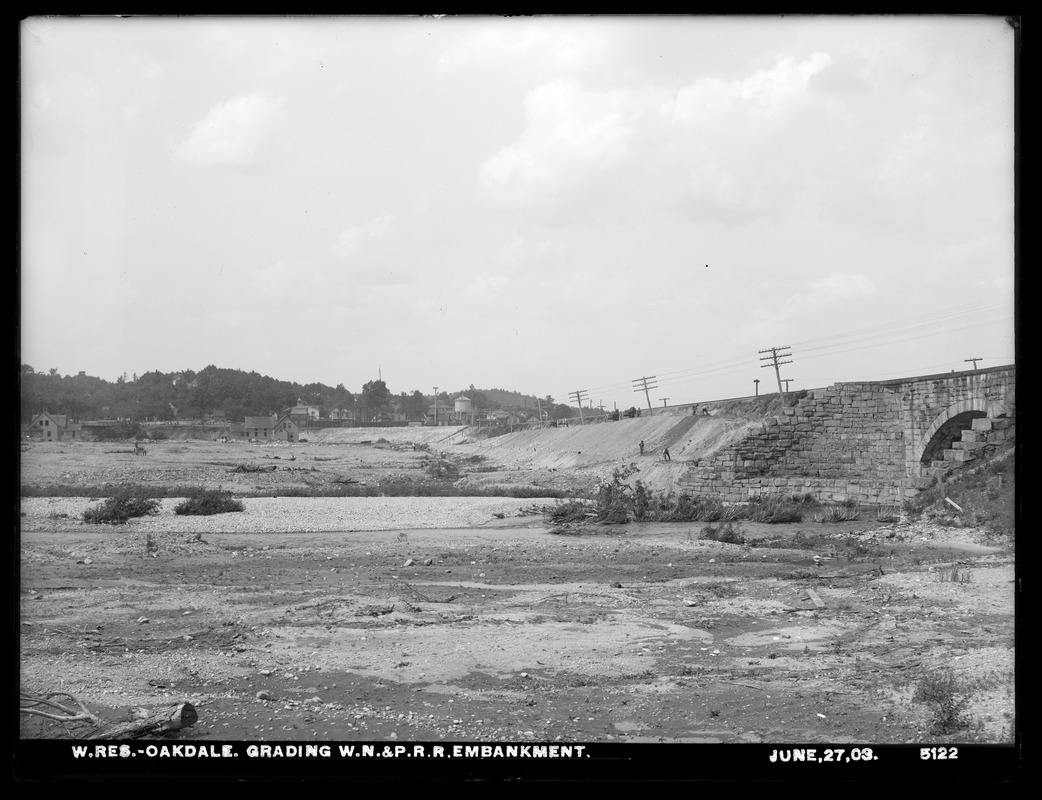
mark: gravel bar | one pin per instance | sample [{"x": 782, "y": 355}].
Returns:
[{"x": 291, "y": 514}]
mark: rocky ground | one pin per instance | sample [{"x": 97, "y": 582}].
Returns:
[{"x": 467, "y": 619}]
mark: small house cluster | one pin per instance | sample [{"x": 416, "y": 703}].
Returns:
[
  {"x": 53, "y": 428},
  {"x": 289, "y": 425}
]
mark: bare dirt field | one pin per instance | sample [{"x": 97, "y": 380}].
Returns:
[{"x": 468, "y": 619}]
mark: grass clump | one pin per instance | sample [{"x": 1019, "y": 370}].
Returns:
[
  {"x": 846, "y": 511},
  {"x": 727, "y": 532},
  {"x": 955, "y": 575},
  {"x": 888, "y": 514},
  {"x": 775, "y": 510},
  {"x": 124, "y": 505},
  {"x": 947, "y": 700},
  {"x": 443, "y": 470},
  {"x": 206, "y": 502}
]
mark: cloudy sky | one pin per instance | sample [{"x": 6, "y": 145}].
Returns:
[{"x": 546, "y": 205}]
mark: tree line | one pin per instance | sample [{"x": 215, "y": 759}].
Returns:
[{"x": 189, "y": 395}]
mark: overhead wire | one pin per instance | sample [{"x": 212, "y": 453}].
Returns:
[{"x": 835, "y": 344}]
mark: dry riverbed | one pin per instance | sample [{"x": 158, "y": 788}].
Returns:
[
  {"x": 622, "y": 633},
  {"x": 467, "y": 619}
]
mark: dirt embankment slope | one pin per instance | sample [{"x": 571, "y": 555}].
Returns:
[
  {"x": 433, "y": 437},
  {"x": 583, "y": 456}
]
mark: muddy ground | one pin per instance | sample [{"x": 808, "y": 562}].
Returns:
[{"x": 512, "y": 632}]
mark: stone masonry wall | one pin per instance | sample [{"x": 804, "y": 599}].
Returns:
[
  {"x": 851, "y": 441},
  {"x": 843, "y": 442}
]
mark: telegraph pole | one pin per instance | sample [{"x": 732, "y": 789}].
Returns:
[
  {"x": 645, "y": 386},
  {"x": 787, "y": 381},
  {"x": 435, "y": 406},
  {"x": 774, "y": 358},
  {"x": 663, "y": 399},
  {"x": 757, "y": 387},
  {"x": 579, "y": 396},
  {"x": 974, "y": 360}
]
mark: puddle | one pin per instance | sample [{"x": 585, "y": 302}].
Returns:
[
  {"x": 794, "y": 638},
  {"x": 827, "y": 563}
]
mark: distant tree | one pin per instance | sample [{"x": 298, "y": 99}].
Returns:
[
  {"x": 376, "y": 400},
  {"x": 414, "y": 406},
  {"x": 342, "y": 398}
]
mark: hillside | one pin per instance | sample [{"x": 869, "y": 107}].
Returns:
[
  {"x": 585, "y": 456},
  {"x": 578, "y": 457}
]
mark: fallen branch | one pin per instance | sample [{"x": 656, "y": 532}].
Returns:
[
  {"x": 746, "y": 685},
  {"x": 165, "y": 720},
  {"x": 160, "y": 721},
  {"x": 29, "y": 703}
]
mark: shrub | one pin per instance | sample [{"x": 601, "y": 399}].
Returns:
[
  {"x": 124, "y": 505},
  {"x": 841, "y": 512},
  {"x": 888, "y": 514},
  {"x": 614, "y": 501},
  {"x": 642, "y": 501},
  {"x": 204, "y": 502},
  {"x": 775, "y": 510},
  {"x": 728, "y": 532},
  {"x": 570, "y": 512},
  {"x": 443, "y": 469},
  {"x": 119, "y": 431},
  {"x": 943, "y": 693},
  {"x": 955, "y": 575}
]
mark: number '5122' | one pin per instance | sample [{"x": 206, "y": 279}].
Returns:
[{"x": 938, "y": 753}]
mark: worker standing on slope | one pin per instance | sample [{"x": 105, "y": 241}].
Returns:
[
  {"x": 665, "y": 454},
  {"x": 642, "y": 447}
]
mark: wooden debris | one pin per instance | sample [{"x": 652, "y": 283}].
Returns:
[
  {"x": 164, "y": 720},
  {"x": 953, "y": 504},
  {"x": 160, "y": 721},
  {"x": 58, "y": 711},
  {"x": 815, "y": 599}
]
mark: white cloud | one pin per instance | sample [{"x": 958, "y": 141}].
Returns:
[
  {"x": 525, "y": 251},
  {"x": 287, "y": 277},
  {"x": 351, "y": 240},
  {"x": 839, "y": 286},
  {"x": 573, "y": 138},
  {"x": 235, "y": 132},
  {"x": 707, "y": 142},
  {"x": 558, "y": 48},
  {"x": 741, "y": 146}
]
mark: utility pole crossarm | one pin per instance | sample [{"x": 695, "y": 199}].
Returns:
[
  {"x": 644, "y": 386},
  {"x": 775, "y": 360},
  {"x": 578, "y": 397}
]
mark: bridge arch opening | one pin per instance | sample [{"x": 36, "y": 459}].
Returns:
[{"x": 945, "y": 432}]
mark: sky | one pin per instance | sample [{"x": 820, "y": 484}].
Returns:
[{"x": 558, "y": 206}]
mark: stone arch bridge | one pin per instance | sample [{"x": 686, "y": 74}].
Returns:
[{"x": 874, "y": 442}]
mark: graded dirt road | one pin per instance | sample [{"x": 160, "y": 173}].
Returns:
[{"x": 466, "y": 619}]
